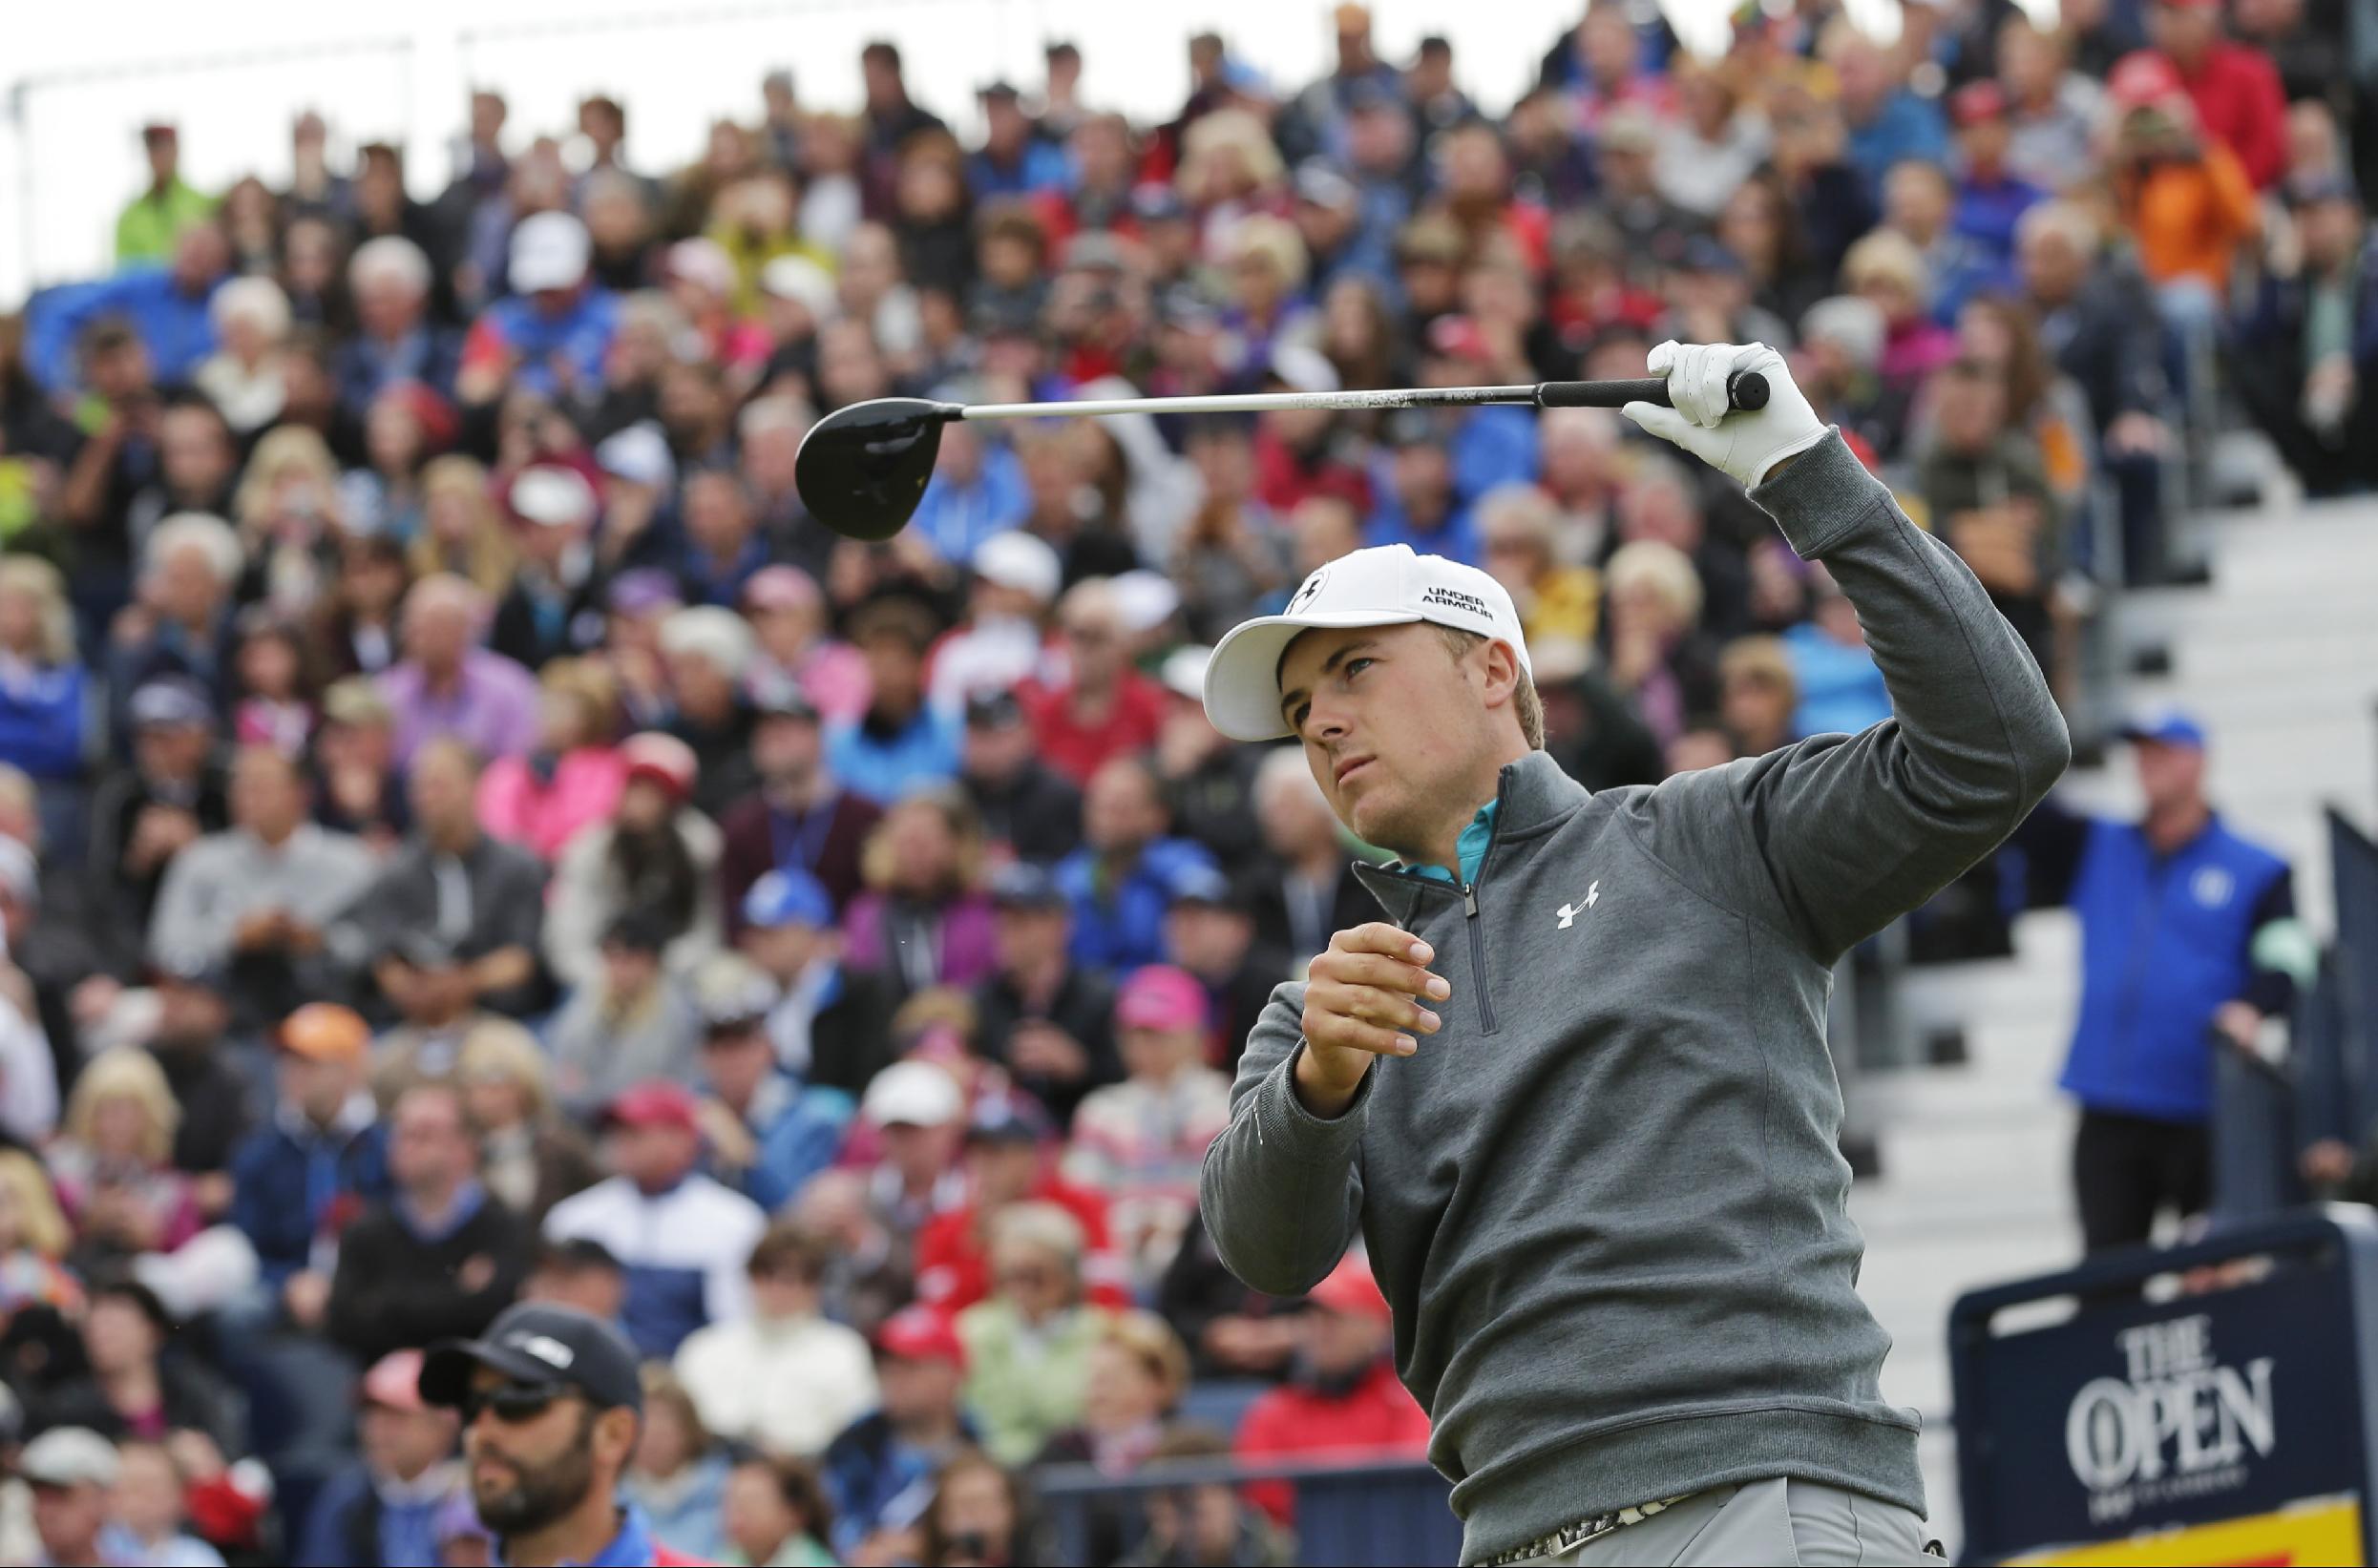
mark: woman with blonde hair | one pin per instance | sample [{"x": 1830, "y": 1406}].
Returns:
[
  {"x": 573, "y": 779},
  {"x": 1658, "y": 654},
  {"x": 33, "y": 1239},
  {"x": 129, "y": 1207},
  {"x": 462, "y": 530},
  {"x": 924, "y": 920},
  {"x": 1267, "y": 264},
  {"x": 44, "y": 688},
  {"x": 530, "y": 1157},
  {"x": 289, "y": 517}
]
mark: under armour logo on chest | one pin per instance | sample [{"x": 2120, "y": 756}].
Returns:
[{"x": 1569, "y": 912}]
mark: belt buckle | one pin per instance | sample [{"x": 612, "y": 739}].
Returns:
[{"x": 1586, "y": 1531}]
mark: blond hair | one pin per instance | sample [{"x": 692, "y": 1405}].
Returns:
[
  {"x": 39, "y": 581},
  {"x": 1661, "y": 568},
  {"x": 958, "y": 814},
  {"x": 1150, "y": 1341},
  {"x": 500, "y": 1049},
  {"x": 39, "y": 1219},
  {"x": 125, "y": 1073},
  {"x": 489, "y": 558},
  {"x": 286, "y": 449}
]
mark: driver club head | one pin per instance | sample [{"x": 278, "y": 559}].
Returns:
[{"x": 862, "y": 469}]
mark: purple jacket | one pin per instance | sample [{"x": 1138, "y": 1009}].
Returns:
[
  {"x": 963, "y": 948},
  {"x": 492, "y": 709}
]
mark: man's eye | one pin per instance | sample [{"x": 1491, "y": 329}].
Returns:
[{"x": 1355, "y": 666}]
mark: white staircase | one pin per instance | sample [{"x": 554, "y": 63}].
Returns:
[{"x": 2279, "y": 659}]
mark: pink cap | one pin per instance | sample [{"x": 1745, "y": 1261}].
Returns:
[
  {"x": 780, "y": 587},
  {"x": 394, "y": 1381},
  {"x": 655, "y": 1103},
  {"x": 666, "y": 760},
  {"x": 1161, "y": 996}
]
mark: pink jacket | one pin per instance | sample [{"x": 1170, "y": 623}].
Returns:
[{"x": 542, "y": 816}]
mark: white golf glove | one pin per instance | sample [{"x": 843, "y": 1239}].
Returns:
[{"x": 1744, "y": 445}]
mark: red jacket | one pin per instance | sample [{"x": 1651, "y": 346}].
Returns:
[
  {"x": 1078, "y": 749},
  {"x": 2240, "y": 105},
  {"x": 1379, "y": 1419}
]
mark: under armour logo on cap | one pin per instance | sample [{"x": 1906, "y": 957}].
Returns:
[{"x": 1305, "y": 594}]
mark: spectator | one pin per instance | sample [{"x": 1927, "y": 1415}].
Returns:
[
  {"x": 878, "y": 1469},
  {"x": 1990, "y": 198},
  {"x": 2309, "y": 348},
  {"x": 1558, "y": 603},
  {"x": 1417, "y": 504},
  {"x": 395, "y": 341},
  {"x": 149, "y": 1511},
  {"x": 138, "y": 1383},
  {"x": 635, "y": 1020},
  {"x": 1028, "y": 1345},
  {"x": 678, "y": 1476},
  {"x": 1343, "y": 1396},
  {"x": 261, "y": 897},
  {"x": 553, "y": 604},
  {"x": 1025, "y": 804},
  {"x": 708, "y": 650},
  {"x": 1206, "y": 1523},
  {"x": 768, "y": 1131},
  {"x": 482, "y": 900},
  {"x": 181, "y": 623},
  {"x": 918, "y": 1112},
  {"x": 1101, "y": 708},
  {"x": 795, "y": 653},
  {"x": 682, "y": 1237},
  {"x": 299, "y": 1179},
  {"x": 111, "y": 1167},
  {"x": 976, "y": 1504},
  {"x": 1312, "y": 893},
  {"x": 242, "y": 378},
  {"x": 1140, "y": 1141},
  {"x": 531, "y": 1157},
  {"x": 1659, "y": 657},
  {"x": 1209, "y": 933},
  {"x": 1014, "y": 579},
  {"x": 924, "y": 920},
  {"x": 440, "y": 1257},
  {"x": 1042, "y": 1015},
  {"x": 829, "y": 1022},
  {"x": 1987, "y": 491},
  {"x": 2051, "y": 109},
  {"x": 1120, "y": 879},
  {"x": 446, "y": 684},
  {"x": 2183, "y": 897},
  {"x": 1757, "y": 696},
  {"x": 381, "y": 1510},
  {"x": 657, "y": 857},
  {"x": 542, "y": 800},
  {"x": 799, "y": 818},
  {"x": 899, "y": 743},
  {"x": 146, "y": 229},
  {"x": 357, "y": 789},
  {"x": 463, "y": 533},
  {"x": 1887, "y": 122},
  {"x": 210, "y": 1095},
  {"x": 548, "y": 1438},
  {"x": 70, "y": 1471},
  {"x": 784, "y": 1379},
  {"x": 1006, "y": 1164},
  {"x": 776, "y": 1515},
  {"x": 1137, "y": 1373},
  {"x": 976, "y": 494},
  {"x": 2232, "y": 86},
  {"x": 552, "y": 333},
  {"x": 44, "y": 688},
  {"x": 1840, "y": 686},
  {"x": 2187, "y": 202}
]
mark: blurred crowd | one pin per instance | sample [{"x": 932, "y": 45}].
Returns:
[{"x": 468, "y": 835}]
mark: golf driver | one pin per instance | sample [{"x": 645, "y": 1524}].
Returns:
[{"x": 862, "y": 469}]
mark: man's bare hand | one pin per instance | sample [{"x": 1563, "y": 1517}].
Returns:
[{"x": 1363, "y": 999}]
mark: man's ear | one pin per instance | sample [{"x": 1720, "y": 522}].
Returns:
[
  {"x": 1500, "y": 666},
  {"x": 615, "y": 1436}
]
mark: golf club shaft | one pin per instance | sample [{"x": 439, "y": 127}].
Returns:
[{"x": 1747, "y": 390}]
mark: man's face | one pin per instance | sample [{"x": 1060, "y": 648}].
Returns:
[
  {"x": 171, "y": 751},
  {"x": 653, "y": 1157},
  {"x": 317, "y": 1088},
  {"x": 195, "y": 452},
  {"x": 1029, "y": 938},
  {"x": 1338, "y": 1343},
  {"x": 1390, "y": 721},
  {"x": 917, "y": 1389},
  {"x": 187, "y": 589},
  {"x": 2183, "y": 32},
  {"x": 1206, "y": 939},
  {"x": 429, "y": 1146},
  {"x": 2169, "y": 776},
  {"x": 1003, "y": 1170},
  {"x": 737, "y": 1062},
  {"x": 786, "y": 749},
  {"x": 998, "y": 751},
  {"x": 437, "y": 634},
  {"x": 266, "y": 796},
  {"x": 1157, "y": 1053},
  {"x": 2052, "y": 265},
  {"x": 525, "y": 1475},
  {"x": 443, "y": 794},
  {"x": 1120, "y": 813},
  {"x": 68, "y": 1519},
  {"x": 404, "y": 1443},
  {"x": 919, "y": 1154},
  {"x": 1423, "y": 477},
  {"x": 897, "y": 671},
  {"x": 785, "y": 951}
]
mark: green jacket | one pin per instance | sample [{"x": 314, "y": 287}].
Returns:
[{"x": 1024, "y": 1385}]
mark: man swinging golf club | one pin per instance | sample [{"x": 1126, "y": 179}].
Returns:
[{"x": 1573, "y": 1088}]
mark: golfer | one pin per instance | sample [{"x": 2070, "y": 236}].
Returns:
[{"x": 1573, "y": 1088}]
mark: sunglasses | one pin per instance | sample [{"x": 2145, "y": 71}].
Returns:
[{"x": 512, "y": 1403}]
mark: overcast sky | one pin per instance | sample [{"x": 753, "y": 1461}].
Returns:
[{"x": 87, "y": 75}]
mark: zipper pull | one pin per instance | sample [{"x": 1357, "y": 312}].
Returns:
[{"x": 1469, "y": 901}]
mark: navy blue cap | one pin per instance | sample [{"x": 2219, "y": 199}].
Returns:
[
  {"x": 2168, "y": 727},
  {"x": 1204, "y": 884},
  {"x": 1021, "y": 884},
  {"x": 787, "y": 898},
  {"x": 171, "y": 700},
  {"x": 1154, "y": 200},
  {"x": 540, "y": 1342},
  {"x": 1006, "y": 1121}
]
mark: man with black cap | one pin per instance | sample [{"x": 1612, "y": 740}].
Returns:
[
  {"x": 174, "y": 792},
  {"x": 1209, "y": 932},
  {"x": 551, "y": 1407},
  {"x": 1024, "y": 803},
  {"x": 800, "y": 818},
  {"x": 1047, "y": 1019}
]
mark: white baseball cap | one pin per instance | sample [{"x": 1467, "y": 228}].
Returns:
[
  {"x": 548, "y": 250},
  {"x": 1389, "y": 585},
  {"x": 915, "y": 1094}
]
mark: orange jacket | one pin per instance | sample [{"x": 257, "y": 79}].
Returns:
[{"x": 2188, "y": 218}]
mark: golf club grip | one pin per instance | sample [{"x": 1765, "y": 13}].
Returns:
[{"x": 1745, "y": 390}]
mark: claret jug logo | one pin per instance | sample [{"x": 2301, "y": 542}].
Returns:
[{"x": 2178, "y": 1425}]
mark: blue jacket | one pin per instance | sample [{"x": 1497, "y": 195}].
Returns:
[
  {"x": 582, "y": 336},
  {"x": 884, "y": 767},
  {"x": 2164, "y": 942},
  {"x": 1122, "y": 926},
  {"x": 41, "y": 721},
  {"x": 956, "y": 519},
  {"x": 284, "y": 1181},
  {"x": 874, "y": 1480},
  {"x": 1492, "y": 445},
  {"x": 173, "y": 325},
  {"x": 799, "y": 1131},
  {"x": 1456, "y": 538},
  {"x": 1908, "y": 127}
]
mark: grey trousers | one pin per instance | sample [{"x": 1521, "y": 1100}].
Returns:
[{"x": 1779, "y": 1522}]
